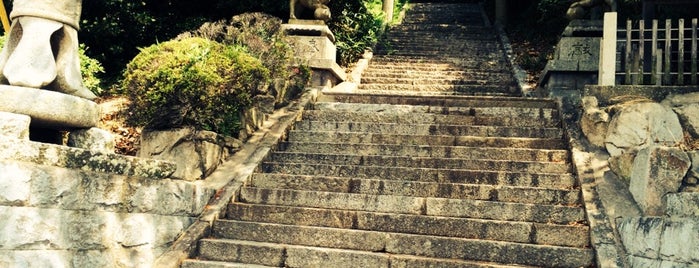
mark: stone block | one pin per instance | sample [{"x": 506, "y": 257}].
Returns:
[
  {"x": 92, "y": 139},
  {"x": 15, "y": 183},
  {"x": 313, "y": 47},
  {"x": 689, "y": 117},
  {"x": 639, "y": 125},
  {"x": 195, "y": 153},
  {"x": 641, "y": 235},
  {"x": 594, "y": 122},
  {"x": 49, "y": 109},
  {"x": 657, "y": 170},
  {"x": 682, "y": 204},
  {"x": 14, "y": 125},
  {"x": 578, "y": 49},
  {"x": 622, "y": 165},
  {"x": 680, "y": 240}
]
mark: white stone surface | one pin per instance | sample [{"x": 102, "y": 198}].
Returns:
[
  {"x": 48, "y": 108},
  {"x": 92, "y": 139},
  {"x": 14, "y": 125},
  {"x": 657, "y": 170},
  {"x": 594, "y": 122},
  {"x": 680, "y": 240},
  {"x": 641, "y": 235},
  {"x": 689, "y": 117},
  {"x": 640, "y": 125},
  {"x": 15, "y": 187}
]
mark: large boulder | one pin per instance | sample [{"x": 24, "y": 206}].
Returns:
[
  {"x": 657, "y": 171},
  {"x": 639, "y": 125}
]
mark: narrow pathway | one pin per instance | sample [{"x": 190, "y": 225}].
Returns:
[{"x": 413, "y": 170}]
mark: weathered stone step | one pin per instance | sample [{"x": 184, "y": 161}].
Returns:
[
  {"x": 431, "y": 80},
  {"x": 376, "y": 73},
  {"x": 500, "y": 193},
  {"x": 467, "y": 89},
  {"x": 492, "y": 153},
  {"x": 345, "y": 158},
  {"x": 430, "y": 129},
  {"x": 375, "y": 240},
  {"x": 218, "y": 264},
  {"x": 512, "y": 108},
  {"x": 442, "y": 44},
  {"x": 512, "y": 178},
  {"x": 398, "y": 116},
  {"x": 305, "y": 256},
  {"x": 521, "y": 232},
  {"x": 442, "y": 103},
  {"x": 463, "y": 208},
  {"x": 486, "y": 56}
]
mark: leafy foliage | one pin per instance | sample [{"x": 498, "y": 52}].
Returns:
[
  {"x": 355, "y": 28},
  {"x": 193, "y": 82}
]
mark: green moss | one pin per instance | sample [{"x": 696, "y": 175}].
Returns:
[{"x": 192, "y": 82}]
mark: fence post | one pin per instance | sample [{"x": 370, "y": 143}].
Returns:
[
  {"x": 388, "y": 9},
  {"x": 607, "y": 67}
]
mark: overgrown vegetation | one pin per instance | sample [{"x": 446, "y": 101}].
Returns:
[{"x": 194, "y": 82}]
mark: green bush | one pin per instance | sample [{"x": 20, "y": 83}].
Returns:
[
  {"x": 90, "y": 69},
  {"x": 263, "y": 38},
  {"x": 355, "y": 28},
  {"x": 192, "y": 82}
]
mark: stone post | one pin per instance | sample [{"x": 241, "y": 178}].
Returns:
[
  {"x": 388, "y": 9},
  {"x": 607, "y": 64},
  {"x": 501, "y": 11}
]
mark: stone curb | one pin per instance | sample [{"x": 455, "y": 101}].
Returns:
[
  {"x": 232, "y": 175},
  {"x": 519, "y": 74},
  {"x": 597, "y": 189}
]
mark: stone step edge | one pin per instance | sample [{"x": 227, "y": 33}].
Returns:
[{"x": 221, "y": 229}]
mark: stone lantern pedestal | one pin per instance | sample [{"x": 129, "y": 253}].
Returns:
[{"x": 314, "y": 46}]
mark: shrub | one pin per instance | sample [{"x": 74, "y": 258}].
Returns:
[
  {"x": 263, "y": 38},
  {"x": 90, "y": 69},
  {"x": 355, "y": 29},
  {"x": 192, "y": 82}
]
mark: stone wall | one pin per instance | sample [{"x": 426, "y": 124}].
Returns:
[{"x": 69, "y": 207}]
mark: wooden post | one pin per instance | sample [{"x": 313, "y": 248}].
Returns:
[
  {"x": 501, "y": 11},
  {"x": 658, "y": 69},
  {"x": 641, "y": 49},
  {"x": 654, "y": 71},
  {"x": 680, "y": 52},
  {"x": 607, "y": 68},
  {"x": 388, "y": 10},
  {"x": 694, "y": 51},
  {"x": 629, "y": 55},
  {"x": 668, "y": 49}
]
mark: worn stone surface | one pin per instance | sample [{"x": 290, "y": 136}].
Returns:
[
  {"x": 48, "y": 108},
  {"x": 92, "y": 139},
  {"x": 594, "y": 121},
  {"x": 75, "y": 158},
  {"x": 658, "y": 239},
  {"x": 657, "y": 171},
  {"x": 692, "y": 177},
  {"x": 689, "y": 117},
  {"x": 682, "y": 204},
  {"x": 14, "y": 125},
  {"x": 195, "y": 153},
  {"x": 622, "y": 165},
  {"x": 643, "y": 124}
]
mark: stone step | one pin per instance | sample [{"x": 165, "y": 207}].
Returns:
[
  {"x": 217, "y": 264},
  {"x": 466, "y": 89},
  {"x": 500, "y": 193},
  {"x": 421, "y": 162},
  {"x": 430, "y": 129},
  {"x": 398, "y": 116},
  {"x": 305, "y": 256},
  {"x": 486, "y": 56},
  {"x": 512, "y": 178},
  {"x": 443, "y": 103},
  {"x": 376, "y": 73},
  {"x": 442, "y": 44},
  {"x": 464, "y": 208},
  {"x": 507, "y": 112},
  {"x": 521, "y": 232},
  {"x": 372, "y": 240},
  {"x": 432, "y": 80}
]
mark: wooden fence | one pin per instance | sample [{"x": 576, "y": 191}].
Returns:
[{"x": 654, "y": 53}]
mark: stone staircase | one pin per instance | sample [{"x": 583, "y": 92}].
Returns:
[
  {"x": 393, "y": 176},
  {"x": 441, "y": 48}
]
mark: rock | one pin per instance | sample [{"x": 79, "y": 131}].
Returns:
[
  {"x": 14, "y": 125},
  {"x": 657, "y": 170},
  {"x": 195, "y": 153},
  {"x": 641, "y": 235},
  {"x": 49, "y": 109},
  {"x": 641, "y": 125},
  {"x": 264, "y": 103},
  {"x": 622, "y": 165},
  {"x": 689, "y": 117},
  {"x": 594, "y": 121},
  {"x": 682, "y": 205},
  {"x": 675, "y": 100},
  {"x": 92, "y": 139},
  {"x": 692, "y": 177}
]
